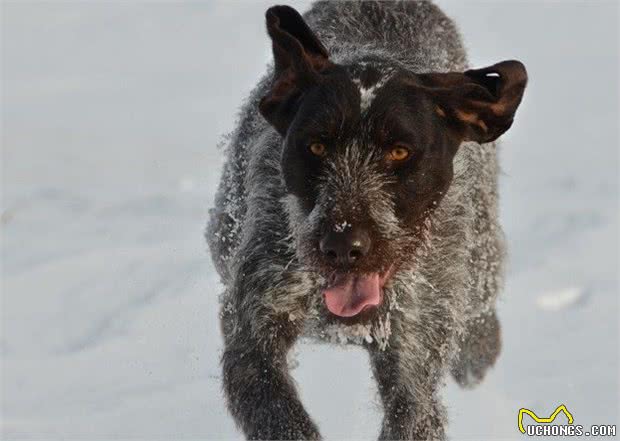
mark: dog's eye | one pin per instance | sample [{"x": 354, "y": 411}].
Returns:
[
  {"x": 318, "y": 149},
  {"x": 398, "y": 153}
]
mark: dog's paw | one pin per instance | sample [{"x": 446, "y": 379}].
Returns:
[
  {"x": 469, "y": 375},
  {"x": 479, "y": 350},
  {"x": 286, "y": 431},
  {"x": 279, "y": 418}
]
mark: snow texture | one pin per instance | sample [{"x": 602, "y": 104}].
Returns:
[
  {"x": 111, "y": 114},
  {"x": 560, "y": 299}
]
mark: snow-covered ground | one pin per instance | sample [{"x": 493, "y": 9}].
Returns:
[{"x": 111, "y": 113}]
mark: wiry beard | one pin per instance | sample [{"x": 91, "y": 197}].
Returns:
[{"x": 353, "y": 190}]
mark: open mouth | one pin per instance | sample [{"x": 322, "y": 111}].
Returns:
[{"x": 348, "y": 294}]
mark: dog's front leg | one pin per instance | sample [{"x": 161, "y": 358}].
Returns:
[
  {"x": 408, "y": 373},
  {"x": 408, "y": 389},
  {"x": 260, "y": 392}
]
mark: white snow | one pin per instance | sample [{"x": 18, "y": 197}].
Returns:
[
  {"x": 111, "y": 113},
  {"x": 342, "y": 226},
  {"x": 560, "y": 299}
]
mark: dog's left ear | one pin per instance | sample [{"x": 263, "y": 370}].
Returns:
[
  {"x": 480, "y": 103},
  {"x": 299, "y": 59}
]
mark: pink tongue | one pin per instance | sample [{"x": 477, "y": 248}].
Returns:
[{"x": 351, "y": 293}]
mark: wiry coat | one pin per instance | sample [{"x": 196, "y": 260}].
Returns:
[{"x": 435, "y": 302}]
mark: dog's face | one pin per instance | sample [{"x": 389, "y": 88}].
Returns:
[{"x": 368, "y": 152}]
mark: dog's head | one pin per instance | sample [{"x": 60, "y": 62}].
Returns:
[{"x": 368, "y": 151}]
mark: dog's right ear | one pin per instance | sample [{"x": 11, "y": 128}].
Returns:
[{"x": 299, "y": 58}]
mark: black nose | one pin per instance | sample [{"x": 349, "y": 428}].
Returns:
[{"x": 344, "y": 248}]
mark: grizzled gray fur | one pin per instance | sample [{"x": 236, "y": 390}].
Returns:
[{"x": 437, "y": 313}]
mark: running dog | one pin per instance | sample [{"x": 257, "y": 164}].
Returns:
[{"x": 358, "y": 204}]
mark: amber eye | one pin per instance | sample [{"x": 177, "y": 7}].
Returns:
[
  {"x": 318, "y": 149},
  {"x": 398, "y": 153}
]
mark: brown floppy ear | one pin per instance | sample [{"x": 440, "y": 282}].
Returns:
[
  {"x": 480, "y": 102},
  {"x": 299, "y": 57}
]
